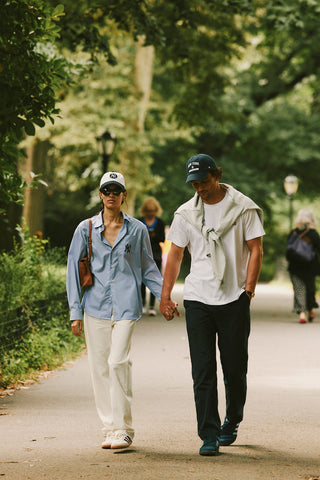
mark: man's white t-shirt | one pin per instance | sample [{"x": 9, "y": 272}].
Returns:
[{"x": 200, "y": 284}]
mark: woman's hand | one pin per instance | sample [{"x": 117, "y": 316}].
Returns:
[{"x": 76, "y": 327}]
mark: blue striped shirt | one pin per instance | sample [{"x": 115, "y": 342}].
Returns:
[{"x": 118, "y": 271}]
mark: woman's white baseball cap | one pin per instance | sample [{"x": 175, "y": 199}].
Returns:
[{"x": 113, "y": 178}]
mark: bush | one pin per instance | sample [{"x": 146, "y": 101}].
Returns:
[
  {"x": 35, "y": 329},
  {"x": 274, "y": 246},
  {"x": 37, "y": 351}
]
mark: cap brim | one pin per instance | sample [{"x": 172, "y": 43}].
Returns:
[
  {"x": 196, "y": 176},
  {"x": 113, "y": 182}
]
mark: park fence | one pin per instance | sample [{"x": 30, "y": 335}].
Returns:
[{"x": 15, "y": 324}]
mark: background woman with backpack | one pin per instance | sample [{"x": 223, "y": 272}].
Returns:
[{"x": 302, "y": 271}]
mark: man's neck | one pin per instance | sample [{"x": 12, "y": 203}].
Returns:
[{"x": 218, "y": 195}]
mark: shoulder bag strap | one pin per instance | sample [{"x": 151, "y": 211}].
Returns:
[
  {"x": 304, "y": 233},
  {"x": 90, "y": 240}
]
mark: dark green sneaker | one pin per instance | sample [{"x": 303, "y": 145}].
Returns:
[
  {"x": 210, "y": 448},
  {"x": 229, "y": 432}
]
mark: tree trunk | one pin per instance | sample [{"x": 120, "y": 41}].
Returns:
[
  {"x": 143, "y": 82},
  {"x": 143, "y": 75},
  {"x": 35, "y": 194}
]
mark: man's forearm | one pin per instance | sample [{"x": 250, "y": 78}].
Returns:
[
  {"x": 168, "y": 308},
  {"x": 254, "y": 267},
  {"x": 171, "y": 271}
]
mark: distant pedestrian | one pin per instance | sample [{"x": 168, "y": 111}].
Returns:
[
  {"x": 151, "y": 211},
  {"x": 303, "y": 272},
  {"x": 121, "y": 261},
  {"x": 223, "y": 232},
  {"x": 165, "y": 247}
]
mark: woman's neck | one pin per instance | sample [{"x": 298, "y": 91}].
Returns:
[
  {"x": 149, "y": 220},
  {"x": 112, "y": 216}
]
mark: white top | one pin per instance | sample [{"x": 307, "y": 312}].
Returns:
[{"x": 200, "y": 284}]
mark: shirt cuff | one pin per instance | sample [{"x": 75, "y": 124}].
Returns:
[{"x": 76, "y": 314}]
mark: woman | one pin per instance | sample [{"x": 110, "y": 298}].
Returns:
[
  {"x": 150, "y": 212},
  {"x": 303, "y": 273},
  {"x": 121, "y": 260}
]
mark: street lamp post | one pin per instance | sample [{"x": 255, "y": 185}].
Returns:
[
  {"x": 106, "y": 144},
  {"x": 291, "y": 186}
]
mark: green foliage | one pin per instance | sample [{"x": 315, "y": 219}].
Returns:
[
  {"x": 201, "y": 39},
  {"x": 38, "y": 351},
  {"x": 184, "y": 33},
  {"x": 30, "y": 80},
  {"x": 31, "y": 73},
  {"x": 92, "y": 25},
  {"x": 105, "y": 99},
  {"x": 35, "y": 329},
  {"x": 241, "y": 77},
  {"x": 27, "y": 275}
]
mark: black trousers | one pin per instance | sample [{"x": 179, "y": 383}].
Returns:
[{"x": 229, "y": 323}]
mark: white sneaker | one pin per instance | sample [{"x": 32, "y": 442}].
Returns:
[
  {"x": 108, "y": 440},
  {"x": 152, "y": 312},
  {"x": 121, "y": 440},
  {"x": 144, "y": 310}
]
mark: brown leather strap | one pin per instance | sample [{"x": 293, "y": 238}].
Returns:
[
  {"x": 304, "y": 232},
  {"x": 90, "y": 240}
]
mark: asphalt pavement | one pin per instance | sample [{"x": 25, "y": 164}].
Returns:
[{"x": 51, "y": 431}]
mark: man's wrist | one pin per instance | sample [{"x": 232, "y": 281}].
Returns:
[
  {"x": 165, "y": 298},
  {"x": 250, "y": 293}
]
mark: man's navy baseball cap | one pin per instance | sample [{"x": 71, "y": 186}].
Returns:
[{"x": 198, "y": 167}]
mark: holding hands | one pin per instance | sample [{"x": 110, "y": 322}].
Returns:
[{"x": 168, "y": 308}]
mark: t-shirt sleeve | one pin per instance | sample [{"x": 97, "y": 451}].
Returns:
[
  {"x": 252, "y": 225},
  {"x": 178, "y": 233}
]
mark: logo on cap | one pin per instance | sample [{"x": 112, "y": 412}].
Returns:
[
  {"x": 193, "y": 167},
  {"x": 113, "y": 175}
]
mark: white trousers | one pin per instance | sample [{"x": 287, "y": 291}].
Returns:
[{"x": 108, "y": 344}]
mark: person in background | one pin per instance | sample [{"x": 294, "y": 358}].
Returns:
[
  {"x": 222, "y": 228},
  {"x": 165, "y": 247},
  {"x": 151, "y": 211},
  {"x": 303, "y": 273},
  {"x": 121, "y": 260}
]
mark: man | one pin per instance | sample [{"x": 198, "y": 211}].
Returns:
[{"x": 222, "y": 229}]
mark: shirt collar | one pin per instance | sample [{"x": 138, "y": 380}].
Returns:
[{"x": 97, "y": 220}]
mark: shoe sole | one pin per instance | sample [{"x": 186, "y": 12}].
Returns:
[
  {"x": 226, "y": 443},
  {"x": 120, "y": 446},
  {"x": 212, "y": 453}
]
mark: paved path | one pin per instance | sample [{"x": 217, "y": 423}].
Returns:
[{"x": 51, "y": 430}]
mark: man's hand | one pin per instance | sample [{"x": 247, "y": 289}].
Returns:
[
  {"x": 168, "y": 308},
  {"x": 76, "y": 327}
]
